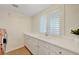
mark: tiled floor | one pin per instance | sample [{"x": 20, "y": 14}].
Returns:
[{"x": 20, "y": 51}]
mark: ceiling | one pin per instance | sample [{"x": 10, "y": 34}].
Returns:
[{"x": 27, "y": 9}]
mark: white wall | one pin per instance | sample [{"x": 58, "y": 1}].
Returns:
[
  {"x": 49, "y": 10},
  {"x": 15, "y": 24},
  {"x": 70, "y": 16}
]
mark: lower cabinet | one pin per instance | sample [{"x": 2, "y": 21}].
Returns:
[
  {"x": 43, "y": 48},
  {"x": 59, "y": 51},
  {"x": 31, "y": 43},
  {"x": 40, "y": 47}
]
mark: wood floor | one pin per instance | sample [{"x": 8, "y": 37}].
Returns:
[
  {"x": 20, "y": 51},
  {"x": 1, "y": 50}
]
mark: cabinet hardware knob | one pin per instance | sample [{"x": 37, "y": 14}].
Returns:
[{"x": 60, "y": 52}]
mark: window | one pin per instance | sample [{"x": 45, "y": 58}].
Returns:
[
  {"x": 43, "y": 22},
  {"x": 51, "y": 24}
]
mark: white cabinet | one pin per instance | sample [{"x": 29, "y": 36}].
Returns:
[
  {"x": 59, "y": 51},
  {"x": 43, "y": 48},
  {"x": 40, "y": 47},
  {"x": 62, "y": 51},
  {"x": 32, "y": 44}
]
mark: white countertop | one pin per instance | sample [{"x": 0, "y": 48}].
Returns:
[{"x": 63, "y": 42}]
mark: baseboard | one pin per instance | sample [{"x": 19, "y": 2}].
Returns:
[
  {"x": 28, "y": 50},
  {"x": 13, "y": 49}
]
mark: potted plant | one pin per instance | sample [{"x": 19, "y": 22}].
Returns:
[
  {"x": 76, "y": 36},
  {"x": 76, "y": 31}
]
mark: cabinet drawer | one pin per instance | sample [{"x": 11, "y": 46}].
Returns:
[
  {"x": 59, "y": 51},
  {"x": 33, "y": 41},
  {"x": 34, "y": 50},
  {"x": 43, "y": 50},
  {"x": 65, "y": 52},
  {"x": 43, "y": 44},
  {"x": 53, "y": 49},
  {"x": 26, "y": 36}
]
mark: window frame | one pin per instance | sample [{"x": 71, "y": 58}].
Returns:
[{"x": 62, "y": 23}]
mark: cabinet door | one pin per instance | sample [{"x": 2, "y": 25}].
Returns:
[
  {"x": 43, "y": 48},
  {"x": 60, "y": 51},
  {"x": 65, "y": 52},
  {"x": 34, "y": 49},
  {"x": 26, "y": 40},
  {"x": 32, "y": 44},
  {"x": 53, "y": 49}
]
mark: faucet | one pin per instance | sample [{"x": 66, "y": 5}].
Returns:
[{"x": 46, "y": 34}]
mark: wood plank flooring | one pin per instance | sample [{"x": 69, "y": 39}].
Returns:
[
  {"x": 1, "y": 50},
  {"x": 20, "y": 51}
]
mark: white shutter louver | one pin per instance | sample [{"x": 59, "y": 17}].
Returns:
[{"x": 53, "y": 24}]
